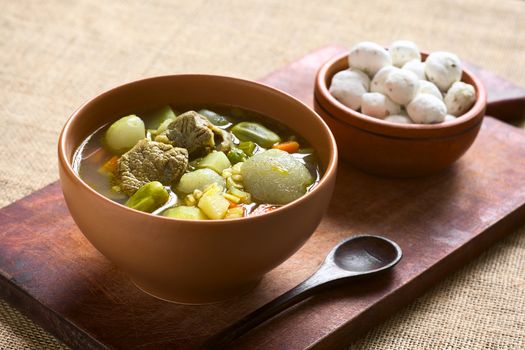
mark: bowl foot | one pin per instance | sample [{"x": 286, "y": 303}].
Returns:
[{"x": 200, "y": 298}]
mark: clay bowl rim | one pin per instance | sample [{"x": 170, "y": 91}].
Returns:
[
  {"x": 348, "y": 116},
  {"x": 330, "y": 171}
]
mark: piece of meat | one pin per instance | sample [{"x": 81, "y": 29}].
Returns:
[
  {"x": 195, "y": 133},
  {"x": 191, "y": 131},
  {"x": 150, "y": 161},
  {"x": 227, "y": 141}
]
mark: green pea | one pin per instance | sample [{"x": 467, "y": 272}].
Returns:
[
  {"x": 123, "y": 134},
  {"x": 236, "y": 155},
  {"x": 255, "y": 132},
  {"x": 149, "y": 197},
  {"x": 248, "y": 147}
]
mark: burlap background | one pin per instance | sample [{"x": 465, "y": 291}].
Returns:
[{"x": 56, "y": 55}]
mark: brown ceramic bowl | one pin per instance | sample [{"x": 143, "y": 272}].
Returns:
[
  {"x": 195, "y": 261},
  {"x": 396, "y": 150}
]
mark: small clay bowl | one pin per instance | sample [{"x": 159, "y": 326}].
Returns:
[
  {"x": 195, "y": 261},
  {"x": 396, "y": 150}
]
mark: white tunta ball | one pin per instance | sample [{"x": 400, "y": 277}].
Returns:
[
  {"x": 375, "y": 104},
  {"x": 399, "y": 119},
  {"x": 426, "y": 87},
  {"x": 426, "y": 109},
  {"x": 348, "y": 86},
  {"x": 459, "y": 98},
  {"x": 443, "y": 69},
  {"x": 449, "y": 118},
  {"x": 417, "y": 67},
  {"x": 401, "y": 86},
  {"x": 368, "y": 57},
  {"x": 378, "y": 82},
  {"x": 403, "y": 51}
]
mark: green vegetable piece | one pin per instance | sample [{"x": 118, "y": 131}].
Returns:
[
  {"x": 244, "y": 197},
  {"x": 216, "y": 161},
  {"x": 162, "y": 127},
  {"x": 198, "y": 180},
  {"x": 307, "y": 150},
  {"x": 248, "y": 147},
  {"x": 248, "y": 131},
  {"x": 214, "y": 118},
  {"x": 159, "y": 116},
  {"x": 149, "y": 197},
  {"x": 236, "y": 155},
  {"x": 123, "y": 134},
  {"x": 214, "y": 205},
  {"x": 185, "y": 212}
]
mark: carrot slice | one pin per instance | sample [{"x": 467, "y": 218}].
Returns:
[
  {"x": 288, "y": 146},
  {"x": 110, "y": 166}
]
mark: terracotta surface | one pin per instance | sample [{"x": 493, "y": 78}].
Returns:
[
  {"x": 399, "y": 150},
  {"x": 54, "y": 275},
  {"x": 192, "y": 261}
]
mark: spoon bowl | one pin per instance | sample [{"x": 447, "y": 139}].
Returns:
[
  {"x": 366, "y": 254},
  {"x": 357, "y": 256}
]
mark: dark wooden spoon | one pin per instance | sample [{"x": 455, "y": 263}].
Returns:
[{"x": 354, "y": 257}]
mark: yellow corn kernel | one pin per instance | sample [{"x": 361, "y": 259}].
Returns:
[
  {"x": 214, "y": 188},
  {"x": 234, "y": 213},
  {"x": 226, "y": 173},
  {"x": 230, "y": 183},
  {"x": 190, "y": 200},
  {"x": 236, "y": 169},
  {"x": 243, "y": 196},
  {"x": 197, "y": 194},
  {"x": 232, "y": 198}
]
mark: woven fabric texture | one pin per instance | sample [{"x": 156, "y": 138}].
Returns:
[{"x": 55, "y": 55}]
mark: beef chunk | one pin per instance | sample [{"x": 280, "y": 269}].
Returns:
[
  {"x": 226, "y": 137},
  {"x": 150, "y": 161},
  {"x": 195, "y": 133}
]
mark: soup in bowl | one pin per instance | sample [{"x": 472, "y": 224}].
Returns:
[{"x": 196, "y": 185}]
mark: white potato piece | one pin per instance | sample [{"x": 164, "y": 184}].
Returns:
[
  {"x": 378, "y": 82},
  {"x": 426, "y": 87},
  {"x": 375, "y": 104},
  {"x": 348, "y": 86},
  {"x": 401, "y": 86},
  {"x": 403, "y": 51},
  {"x": 368, "y": 57},
  {"x": 443, "y": 69},
  {"x": 426, "y": 109},
  {"x": 459, "y": 98},
  {"x": 214, "y": 205},
  {"x": 449, "y": 118},
  {"x": 275, "y": 177},
  {"x": 399, "y": 119}
]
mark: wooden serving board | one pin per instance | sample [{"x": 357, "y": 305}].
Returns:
[{"x": 51, "y": 273}]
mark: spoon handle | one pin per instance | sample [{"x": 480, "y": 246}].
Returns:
[{"x": 265, "y": 312}]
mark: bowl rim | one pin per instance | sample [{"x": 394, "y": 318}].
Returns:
[
  {"x": 348, "y": 116},
  {"x": 329, "y": 173}
]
